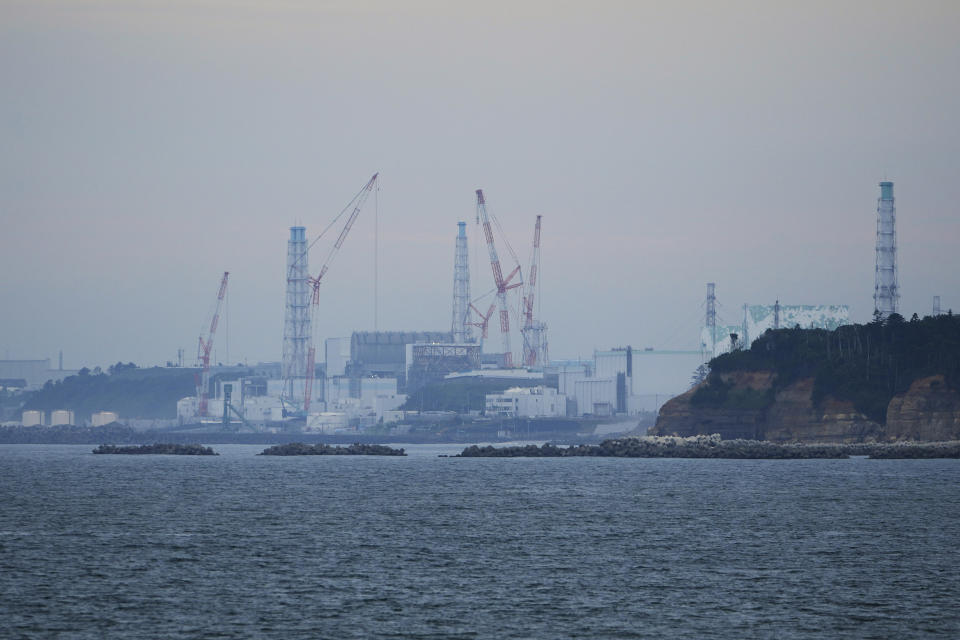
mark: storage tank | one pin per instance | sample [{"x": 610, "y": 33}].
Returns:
[
  {"x": 102, "y": 418},
  {"x": 33, "y": 418},
  {"x": 61, "y": 417}
]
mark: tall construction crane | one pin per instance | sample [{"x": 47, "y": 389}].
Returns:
[
  {"x": 360, "y": 199},
  {"x": 503, "y": 284},
  {"x": 203, "y": 352},
  {"x": 534, "y": 334}
]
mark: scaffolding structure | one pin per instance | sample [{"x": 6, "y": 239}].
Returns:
[
  {"x": 886, "y": 292},
  {"x": 461, "y": 326},
  {"x": 711, "y": 319},
  {"x": 296, "y": 325}
]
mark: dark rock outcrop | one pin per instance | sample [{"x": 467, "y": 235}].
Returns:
[
  {"x": 356, "y": 449},
  {"x": 158, "y": 449}
]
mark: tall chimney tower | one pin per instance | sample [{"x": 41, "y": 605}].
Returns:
[
  {"x": 296, "y": 324},
  {"x": 462, "y": 332},
  {"x": 886, "y": 293}
]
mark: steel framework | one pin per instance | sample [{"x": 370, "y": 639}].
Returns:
[
  {"x": 503, "y": 284},
  {"x": 534, "y": 333},
  {"x": 296, "y": 325},
  {"x": 886, "y": 292},
  {"x": 203, "y": 351},
  {"x": 462, "y": 325}
]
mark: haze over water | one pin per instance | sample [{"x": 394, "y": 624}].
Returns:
[
  {"x": 149, "y": 146},
  {"x": 427, "y": 547}
]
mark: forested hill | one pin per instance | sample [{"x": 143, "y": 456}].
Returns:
[
  {"x": 864, "y": 363},
  {"x": 127, "y": 390}
]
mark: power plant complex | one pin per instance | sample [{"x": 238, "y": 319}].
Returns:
[{"x": 374, "y": 378}]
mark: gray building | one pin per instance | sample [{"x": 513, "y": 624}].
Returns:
[
  {"x": 384, "y": 353},
  {"x": 34, "y": 372}
]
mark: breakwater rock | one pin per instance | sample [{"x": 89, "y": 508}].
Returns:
[
  {"x": 159, "y": 448},
  {"x": 356, "y": 449},
  {"x": 713, "y": 447}
]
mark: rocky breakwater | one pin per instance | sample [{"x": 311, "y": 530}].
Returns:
[
  {"x": 158, "y": 449},
  {"x": 356, "y": 449},
  {"x": 713, "y": 446}
]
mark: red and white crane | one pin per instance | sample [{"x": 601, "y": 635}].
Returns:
[
  {"x": 203, "y": 352},
  {"x": 484, "y": 320},
  {"x": 503, "y": 284},
  {"x": 360, "y": 199}
]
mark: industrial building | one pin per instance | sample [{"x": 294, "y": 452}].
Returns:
[
  {"x": 431, "y": 362},
  {"x": 526, "y": 402},
  {"x": 336, "y": 355},
  {"x": 757, "y": 318},
  {"x": 384, "y": 353},
  {"x": 624, "y": 380},
  {"x": 33, "y": 373}
]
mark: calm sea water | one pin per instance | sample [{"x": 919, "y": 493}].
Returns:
[{"x": 426, "y": 547}]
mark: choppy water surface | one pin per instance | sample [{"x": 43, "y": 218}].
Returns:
[{"x": 427, "y": 547}]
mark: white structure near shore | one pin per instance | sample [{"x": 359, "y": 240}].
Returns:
[{"x": 527, "y": 402}]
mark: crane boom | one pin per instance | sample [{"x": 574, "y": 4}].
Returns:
[
  {"x": 533, "y": 334},
  {"x": 315, "y": 283},
  {"x": 203, "y": 351},
  {"x": 532, "y": 280},
  {"x": 484, "y": 320},
  {"x": 503, "y": 284}
]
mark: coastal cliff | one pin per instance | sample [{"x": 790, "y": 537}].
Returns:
[
  {"x": 929, "y": 410},
  {"x": 791, "y": 417},
  {"x": 886, "y": 381}
]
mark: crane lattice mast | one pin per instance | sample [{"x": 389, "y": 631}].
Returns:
[
  {"x": 203, "y": 352},
  {"x": 534, "y": 334},
  {"x": 503, "y": 284},
  {"x": 315, "y": 283}
]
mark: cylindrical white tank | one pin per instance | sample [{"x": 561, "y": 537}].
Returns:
[
  {"x": 33, "y": 418},
  {"x": 102, "y": 418},
  {"x": 61, "y": 417}
]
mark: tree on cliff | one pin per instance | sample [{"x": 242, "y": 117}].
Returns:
[{"x": 867, "y": 364}]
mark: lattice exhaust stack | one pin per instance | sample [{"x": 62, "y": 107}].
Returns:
[
  {"x": 461, "y": 327},
  {"x": 886, "y": 292}
]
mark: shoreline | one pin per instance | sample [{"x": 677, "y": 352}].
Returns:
[{"x": 712, "y": 447}]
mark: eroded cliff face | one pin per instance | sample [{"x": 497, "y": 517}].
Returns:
[
  {"x": 792, "y": 417},
  {"x": 679, "y": 418},
  {"x": 929, "y": 410}
]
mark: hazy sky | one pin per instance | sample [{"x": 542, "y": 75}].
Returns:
[{"x": 146, "y": 147}]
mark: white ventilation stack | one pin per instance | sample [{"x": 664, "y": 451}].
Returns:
[
  {"x": 296, "y": 325},
  {"x": 886, "y": 293},
  {"x": 462, "y": 331}
]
